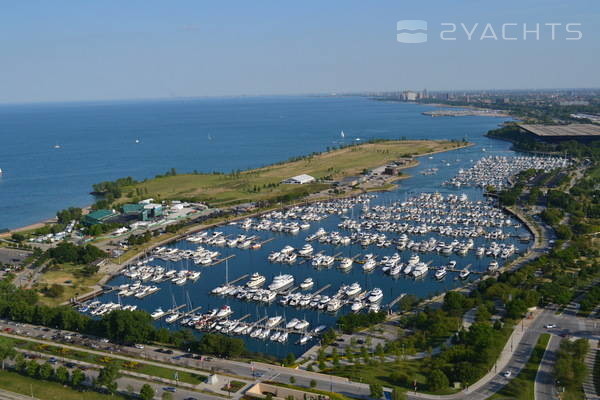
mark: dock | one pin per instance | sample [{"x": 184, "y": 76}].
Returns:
[
  {"x": 244, "y": 317},
  {"x": 193, "y": 310},
  {"x": 233, "y": 282},
  {"x": 175, "y": 309},
  {"x": 322, "y": 289},
  {"x": 221, "y": 260},
  {"x": 266, "y": 241},
  {"x": 396, "y": 300}
]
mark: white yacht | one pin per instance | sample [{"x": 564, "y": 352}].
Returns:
[
  {"x": 375, "y": 295},
  {"x": 158, "y": 313},
  {"x": 357, "y": 305},
  {"x": 441, "y": 273},
  {"x": 281, "y": 281},
  {"x": 256, "y": 280},
  {"x": 493, "y": 266},
  {"x": 369, "y": 265},
  {"x": 420, "y": 270},
  {"x": 225, "y": 311},
  {"x": 292, "y": 323},
  {"x": 273, "y": 321},
  {"x": 307, "y": 283},
  {"x": 346, "y": 264},
  {"x": 353, "y": 290},
  {"x": 464, "y": 274},
  {"x": 306, "y": 250},
  {"x": 302, "y": 324}
]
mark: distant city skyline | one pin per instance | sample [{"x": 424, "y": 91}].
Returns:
[{"x": 73, "y": 51}]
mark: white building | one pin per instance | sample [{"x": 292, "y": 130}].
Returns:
[{"x": 299, "y": 179}]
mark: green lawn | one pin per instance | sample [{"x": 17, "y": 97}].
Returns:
[
  {"x": 522, "y": 387},
  {"x": 379, "y": 373},
  {"x": 264, "y": 183},
  {"x": 46, "y": 390}
]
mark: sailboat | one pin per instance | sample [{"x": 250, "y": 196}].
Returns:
[
  {"x": 209, "y": 137},
  {"x": 342, "y": 134}
]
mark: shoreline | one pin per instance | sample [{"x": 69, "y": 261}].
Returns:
[{"x": 86, "y": 209}]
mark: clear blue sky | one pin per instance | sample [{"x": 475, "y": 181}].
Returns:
[{"x": 65, "y": 50}]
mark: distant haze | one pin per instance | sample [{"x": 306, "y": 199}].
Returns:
[{"x": 69, "y": 50}]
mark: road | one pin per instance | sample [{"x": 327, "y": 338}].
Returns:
[{"x": 524, "y": 339}]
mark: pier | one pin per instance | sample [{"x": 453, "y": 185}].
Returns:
[
  {"x": 322, "y": 289},
  {"x": 221, "y": 260},
  {"x": 396, "y": 300},
  {"x": 233, "y": 282}
]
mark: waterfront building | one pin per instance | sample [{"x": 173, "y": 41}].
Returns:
[
  {"x": 299, "y": 179},
  {"x": 99, "y": 217}
]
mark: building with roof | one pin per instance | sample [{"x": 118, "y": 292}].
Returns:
[
  {"x": 99, "y": 217},
  {"x": 558, "y": 133},
  {"x": 299, "y": 179},
  {"x": 262, "y": 390}
]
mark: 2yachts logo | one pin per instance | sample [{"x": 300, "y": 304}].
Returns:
[
  {"x": 411, "y": 31},
  {"x": 415, "y": 31}
]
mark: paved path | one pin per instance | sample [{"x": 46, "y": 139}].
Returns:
[
  {"x": 6, "y": 395},
  {"x": 544, "y": 379}
]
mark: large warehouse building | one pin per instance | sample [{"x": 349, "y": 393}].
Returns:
[{"x": 559, "y": 133}]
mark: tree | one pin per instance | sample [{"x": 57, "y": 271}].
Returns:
[
  {"x": 147, "y": 393},
  {"x": 167, "y": 396},
  {"x": 108, "y": 377},
  {"x": 376, "y": 390},
  {"x": 313, "y": 383},
  {"x": 62, "y": 375},
  {"x": 398, "y": 395},
  {"x": 32, "y": 368},
  {"x": 46, "y": 371},
  {"x": 290, "y": 359},
  {"x": 437, "y": 380},
  {"x": 17, "y": 237},
  {"x": 6, "y": 351},
  {"x": 292, "y": 379},
  {"x": 77, "y": 378}
]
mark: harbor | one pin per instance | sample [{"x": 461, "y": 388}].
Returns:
[{"x": 280, "y": 279}]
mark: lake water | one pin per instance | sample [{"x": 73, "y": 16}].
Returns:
[{"x": 98, "y": 141}]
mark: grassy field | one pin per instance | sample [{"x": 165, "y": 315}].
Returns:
[
  {"x": 264, "y": 183},
  {"x": 380, "y": 373},
  {"x": 73, "y": 282},
  {"x": 522, "y": 386},
  {"x": 46, "y": 390}
]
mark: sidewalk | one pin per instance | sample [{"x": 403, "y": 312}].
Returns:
[{"x": 589, "y": 387}]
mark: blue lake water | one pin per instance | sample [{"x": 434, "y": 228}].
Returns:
[{"x": 98, "y": 140}]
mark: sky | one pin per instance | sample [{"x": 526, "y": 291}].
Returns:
[{"x": 71, "y": 50}]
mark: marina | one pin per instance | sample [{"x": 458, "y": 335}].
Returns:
[{"x": 320, "y": 260}]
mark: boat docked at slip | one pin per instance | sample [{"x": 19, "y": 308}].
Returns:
[
  {"x": 464, "y": 274},
  {"x": 375, "y": 295},
  {"x": 346, "y": 264},
  {"x": 307, "y": 283},
  {"x": 224, "y": 312},
  {"x": 353, "y": 290},
  {"x": 158, "y": 313},
  {"x": 281, "y": 282},
  {"x": 441, "y": 273},
  {"x": 256, "y": 280},
  {"x": 493, "y": 266}
]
